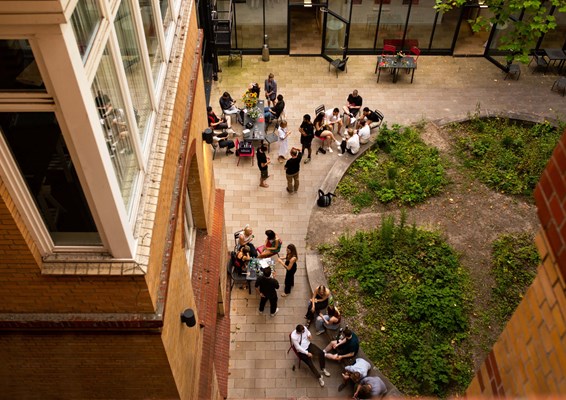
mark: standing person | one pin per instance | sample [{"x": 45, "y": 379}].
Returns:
[
  {"x": 270, "y": 89},
  {"x": 290, "y": 264},
  {"x": 301, "y": 340},
  {"x": 292, "y": 168},
  {"x": 263, "y": 162},
  {"x": 333, "y": 119},
  {"x": 283, "y": 133},
  {"x": 307, "y": 135},
  {"x": 266, "y": 286},
  {"x": 369, "y": 387},
  {"x": 353, "y": 106},
  {"x": 352, "y": 144},
  {"x": 228, "y": 104}
]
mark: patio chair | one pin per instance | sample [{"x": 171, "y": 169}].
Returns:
[
  {"x": 244, "y": 149},
  {"x": 388, "y": 50},
  {"x": 513, "y": 70},
  {"x": 559, "y": 85},
  {"x": 319, "y": 109},
  {"x": 539, "y": 57},
  {"x": 339, "y": 65},
  {"x": 291, "y": 347}
]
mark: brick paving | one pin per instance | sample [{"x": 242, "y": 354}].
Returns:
[{"x": 444, "y": 88}]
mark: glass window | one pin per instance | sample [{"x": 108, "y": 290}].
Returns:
[
  {"x": 39, "y": 151},
  {"x": 190, "y": 233},
  {"x": 115, "y": 126},
  {"x": 276, "y": 24},
  {"x": 248, "y": 33},
  {"x": 340, "y": 7},
  {"x": 18, "y": 69},
  {"x": 165, "y": 15},
  {"x": 131, "y": 59},
  {"x": 152, "y": 39},
  {"x": 85, "y": 21}
]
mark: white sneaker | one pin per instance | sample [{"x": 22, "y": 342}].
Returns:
[
  {"x": 318, "y": 333},
  {"x": 276, "y": 311},
  {"x": 260, "y": 312},
  {"x": 330, "y": 150},
  {"x": 338, "y": 143},
  {"x": 325, "y": 372},
  {"x": 340, "y": 154},
  {"x": 321, "y": 381}
]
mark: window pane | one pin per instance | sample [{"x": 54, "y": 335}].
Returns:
[
  {"x": 130, "y": 51},
  {"x": 165, "y": 14},
  {"x": 18, "y": 69},
  {"x": 39, "y": 150},
  {"x": 276, "y": 24},
  {"x": 85, "y": 21},
  {"x": 151, "y": 38},
  {"x": 115, "y": 126}
]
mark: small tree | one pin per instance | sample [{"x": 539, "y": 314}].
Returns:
[{"x": 522, "y": 38}]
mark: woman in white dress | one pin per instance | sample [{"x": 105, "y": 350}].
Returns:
[{"x": 283, "y": 133}]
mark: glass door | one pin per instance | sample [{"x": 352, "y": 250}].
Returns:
[{"x": 336, "y": 29}]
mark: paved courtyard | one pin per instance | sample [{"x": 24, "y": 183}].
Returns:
[{"x": 444, "y": 87}]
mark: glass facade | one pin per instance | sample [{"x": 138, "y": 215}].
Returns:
[
  {"x": 133, "y": 66},
  {"x": 18, "y": 69},
  {"x": 85, "y": 21},
  {"x": 115, "y": 126},
  {"x": 151, "y": 37}
]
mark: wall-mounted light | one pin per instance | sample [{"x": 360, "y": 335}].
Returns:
[{"x": 188, "y": 318}]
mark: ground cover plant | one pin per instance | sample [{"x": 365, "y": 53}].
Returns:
[
  {"x": 405, "y": 293},
  {"x": 400, "y": 168},
  {"x": 508, "y": 156}
]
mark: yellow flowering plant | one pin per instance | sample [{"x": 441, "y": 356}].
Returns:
[{"x": 250, "y": 99}]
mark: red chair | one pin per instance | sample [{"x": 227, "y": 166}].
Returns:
[
  {"x": 244, "y": 149},
  {"x": 415, "y": 51},
  {"x": 388, "y": 50},
  {"x": 294, "y": 351}
]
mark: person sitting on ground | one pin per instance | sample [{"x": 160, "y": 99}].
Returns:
[
  {"x": 354, "y": 373},
  {"x": 275, "y": 111},
  {"x": 272, "y": 245},
  {"x": 318, "y": 302},
  {"x": 333, "y": 120},
  {"x": 352, "y": 108},
  {"x": 301, "y": 340},
  {"x": 352, "y": 144},
  {"x": 219, "y": 123},
  {"x": 346, "y": 347},
  {"x": 228, "y": 104},
  {"x": 369, "y": 387},
  {"x": 323, "y": 131},
  {"x": 371, "y": 117},
  {"x": 241, "y": 260},
  {"x": 329, "y": 321},
  {"x": 245, "y": 238},
  {"x": 364, "y": 131}
]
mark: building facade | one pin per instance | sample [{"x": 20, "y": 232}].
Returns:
[{"x": 111, "y": 225}]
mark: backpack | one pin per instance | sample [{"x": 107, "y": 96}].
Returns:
[{"x": 324, "y": 199}]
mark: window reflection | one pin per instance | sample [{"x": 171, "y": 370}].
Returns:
[
  {"x": 18, "y": 69},
  {"x": 85, "y": 21},
  {"x": 115, "y": 126},
  {"x": 151, "y": 38}
]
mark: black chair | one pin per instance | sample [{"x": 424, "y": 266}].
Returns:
[
  {"x": 513, "y": 70},
  {"x": 339, "y": 65},
  {"x": 559, "y": 85},
  {"x": 539, "y": 57},
  {"x": 319, "y": 109}
]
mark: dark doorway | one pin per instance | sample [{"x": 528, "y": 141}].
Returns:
[{"x": 305, "y": 30}]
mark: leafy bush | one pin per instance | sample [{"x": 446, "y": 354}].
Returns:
[
  {"x": 508, "y": 156},
  {"x": 416, "y": 291},
  {"x": 409, "y": 172},
  {"x": 514, "y": 266}
]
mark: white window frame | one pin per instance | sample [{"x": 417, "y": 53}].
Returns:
[{"x": 190, "y": 232}]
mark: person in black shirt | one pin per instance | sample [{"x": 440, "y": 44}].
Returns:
[
  {"x": 263, "y": 162},
  {"x": 292, "y": 168},
  {"x": 275, "y": 111},
  {"x": 353, "y": 107},
  {"x": 267, "y": 286},
  {"x": 307, "y": 135},
  {"x": 372, "y": 117}
]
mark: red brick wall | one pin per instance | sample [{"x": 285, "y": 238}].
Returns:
[{"x": 529, "y": 357}]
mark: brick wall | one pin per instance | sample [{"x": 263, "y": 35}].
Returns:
[{"x": 529, "y": 357}]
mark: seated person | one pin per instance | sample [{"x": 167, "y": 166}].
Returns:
[
  {"x": 352, "y": 144},
  {"x": 301, "y": 340},
  {"x": 364, "y": 131},
  {"x": 333, "y": 119},
  {"x": 272, "y": 245},
  {"x": 275, "y": 111},
  {"x": 245, "y": 238},
  {"x": 346, "y": 347},
  {"x": 352, "y": 108},
  {"x": 220, "y": 138},
  {"x": 369, "y": 387},
  {"x": 254, "y": 88},
  {"x": 241, "y": 260},
  {"x": 319, "y": 301},
  {"x": 227, "y": 104},
  {"x": 323, "y": 131},
  {"x": 371, "y": 117},
  {"x": 329, "y": 321},
  {"x": 355, "y": 373},
  {"x": 218, "y": 123}
]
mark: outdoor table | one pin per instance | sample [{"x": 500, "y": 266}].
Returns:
[
  {"x": 555, "y": 55},
  {"x": 255, "y": 269},
  {"x": 395, "y": 64},
  {"x": 257, "y": 132}
]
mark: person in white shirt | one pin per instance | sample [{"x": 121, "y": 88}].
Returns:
[
  {"x": 352, "y": 145},
  {"x": 364, "y": 131},
  {"x": 355, "y": 372},
  {"x": 333, "y": 119},
  {"x": 301, "y": 340}
]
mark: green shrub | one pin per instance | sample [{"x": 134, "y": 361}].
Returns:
[
  {"x": 405, "y": 170},
  {"x": 416, "y": 292},
  {"x": 508, "y": 156}
]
